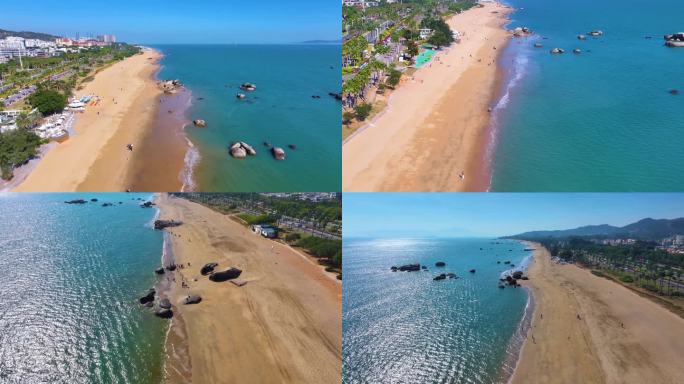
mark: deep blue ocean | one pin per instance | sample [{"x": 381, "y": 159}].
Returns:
[
  {"x": 602, "y": 120},
  {"x": 403, "y": 327},
  {"x": 71, "y": 278},
  {"x": 281, "y": 112}
]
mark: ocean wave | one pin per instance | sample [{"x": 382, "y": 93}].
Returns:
[
  {"x": 513, "y": 76},
  {"x": 192, "y": 158}
]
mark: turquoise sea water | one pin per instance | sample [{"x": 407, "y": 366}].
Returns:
[
  {"x": 403, "y": 327},
  {"x": 598, "y": 121},
  {"x": 281, "y": 111},
  {"x": 71, "y": 277}
]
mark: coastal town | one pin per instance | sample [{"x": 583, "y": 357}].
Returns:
[
  {"x": 384, "y": 41},
  {"x": 41, "y": 88}
]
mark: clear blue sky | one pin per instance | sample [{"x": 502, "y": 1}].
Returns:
[
  {"x": 496, "y": 214},
  {"x": 176, "y": 21}
]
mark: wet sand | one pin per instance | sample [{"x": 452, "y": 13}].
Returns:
[
  {"x": 96, "y": 158},
  {"x": 283, "y": 326},
  {"x": 162, "y": 148},
  {"x": 436, "y": 124},
  {"x": 620, "y": 336}
]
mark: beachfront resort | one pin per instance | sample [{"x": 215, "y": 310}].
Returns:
[{"x": 384, "y": 41}]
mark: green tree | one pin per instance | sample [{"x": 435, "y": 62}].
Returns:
[
  {"x": 16, "y": 148},
  {"x": 48, "y": 101},
  {"x": 362, "y": 111},
  {"x": 394, "y": 77}
]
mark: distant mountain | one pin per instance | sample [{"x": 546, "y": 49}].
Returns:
[
  {"x": 27, "y": 35},
  {"x": 645, "y": 229}
]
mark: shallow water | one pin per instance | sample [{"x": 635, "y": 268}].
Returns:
[
  {"x": 403, "y": 327},
  {"x": 602, "y": 120},
  {"x": 71, "y": 278},
  {"x": 281, "y": 111}
]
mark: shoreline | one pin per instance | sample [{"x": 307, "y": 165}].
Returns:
[
  {"x": 595, "y": 330},
  {"x": 95, "y": 158},
  {"x": 302, "y": 345},
  {"x": 389, "y": 152}
]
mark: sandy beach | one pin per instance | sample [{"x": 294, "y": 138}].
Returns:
[
  {"x": 435, "y": 125},
  {"x": 619, "y": 337},
  {"x": 283, "y": 326},
  {"x": 95, "y": 158}
]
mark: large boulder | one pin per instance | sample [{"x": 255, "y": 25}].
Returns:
[
  {"x": 240, "y": 150},
  {"x": 228, "y": 274},
  {"x": 159, "y": 271},
  {"x": 208, "y": 268},
  {"x": 440, "y": 264},
  {"x": 200, "y": 123},
  {"x": 192, "y": 299},
  {"x": 164, "y": 313},
  {"x": 557, "y": 51},
  {"x": 440, "y": 277},
  {"x": 76, "y": 201},
  {"x": 148, "y": 298},
  {"x": 410, "y": 268},
  {"x": 517, "y": 274},
  {"x": 278, "y": 153},
  {"x": 161, "y": 224},
  {"x": 165, "y": 303}
]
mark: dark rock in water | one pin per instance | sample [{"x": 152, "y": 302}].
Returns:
[
  {"x": 228, "y": 274},
  {"x": 440, "y": 264},
  {"x": 147, "y": 204},
  {"x": 423, "y": 267},
  {"x": 472, "y": 271},
  {"x": 208, "y": 268},
  {"x": 440, "y": 277},
  {"x": 107, "y": 204},
  {"x": 501, "y": 286},
  {"x": 148, "y": 298},
  {"x": 93, "y": 200},
  {"x": 161, "y": 224},
  {"x": 498, "y": 262},
  {"x": 337, "y": 96},
  {"x": 192, "y": 299},
  {"x": 410, "y": 267},
  {"x": 164, "y": 313},
  {"x": 452, "y": 275},
  {"x": 507, "y": 262},
  {"x": 268, "y": 145},
  {"x": 75, "y": 201},
  {"x": 171, "y": 267},
  {"x": 394, "y": 269},
  {"x": 511, "y": 280},
  {"x": 517, "y": 274},
  {"x": 292, "y": 146},
  {"x": 159, "y": 271},
  {"x": 149, "y": 304},
  {"x": 674, "y": 92},
  {"x": 524, "y": 278},
  {"x": 165, "y": 303},
  {"x": 576, "y": 51}
]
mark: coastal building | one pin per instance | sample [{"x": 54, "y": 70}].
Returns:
[{"x": 265, "y": 230}]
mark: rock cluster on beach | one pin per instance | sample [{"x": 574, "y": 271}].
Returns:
[
  {"x": 521, "y": 32},
  {"x": 161, "y": 224},
  {"x": 170, "y": 86},
  {"x": 512, "y": 279},
  {"x": 240, "y": 150}
]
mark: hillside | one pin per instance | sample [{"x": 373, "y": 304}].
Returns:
[
  {"x": 26, "y": 35},
  {"x": 645, "y": 229}
]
